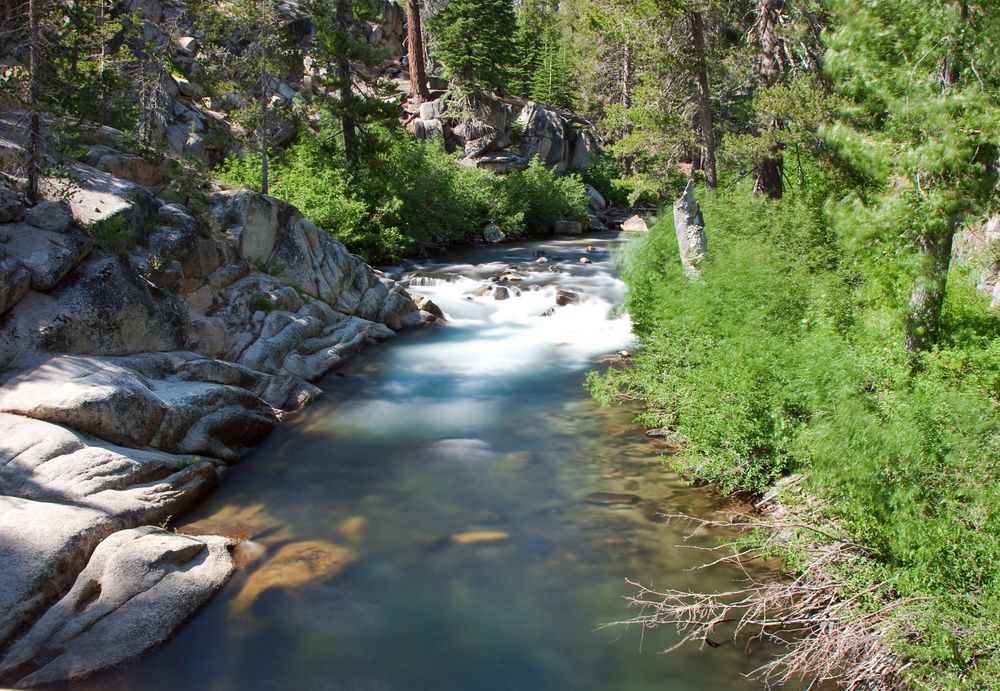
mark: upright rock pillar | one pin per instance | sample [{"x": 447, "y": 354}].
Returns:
[{"x": 690, "y": 226}]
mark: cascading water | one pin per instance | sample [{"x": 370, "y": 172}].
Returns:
[{"x": 432, "y": 523}]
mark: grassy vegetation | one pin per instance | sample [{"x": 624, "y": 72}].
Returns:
[
  {"x": 410, "y": 195},
  {"x": 787, "y": 356}
]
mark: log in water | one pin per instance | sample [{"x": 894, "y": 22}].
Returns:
[{"x": 456, "y": 514}]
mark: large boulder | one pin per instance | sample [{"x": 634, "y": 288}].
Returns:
[
  {"x": 47, "y": 254},
  {"x": 101, "y": 201},
  {"x": 15, "y": 280},
  {"x": 138, "y": 587},
  {"x": 52, "y": 216},
  {"x": 690, "y": 227},
  {"x": 11, "y": 208},
  {"x": 101, "y": 307},
  {"x": 110, "y": 400},
  {"x": 42, "y": 548},
  {"x": 48, "y": 463},
  {"x": 546, "y": 136}
]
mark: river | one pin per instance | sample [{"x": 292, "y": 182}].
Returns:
[{"x": 424, "y": 526}]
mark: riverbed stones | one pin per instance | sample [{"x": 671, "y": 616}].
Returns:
[
  {"x": 138, "y": 587},
  {"x": 612, "y": 499},
  {"x": 567, "y": 297},
  {"x": 293, "y": 566},
  {"x": 479, "y": 537}
]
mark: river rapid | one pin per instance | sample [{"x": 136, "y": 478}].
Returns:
[{"x": 429, "y": 524}]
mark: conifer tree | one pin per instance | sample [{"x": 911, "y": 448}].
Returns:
[
  {"x": 476, "y": 41},
  {"x": 926, "y": 78}
]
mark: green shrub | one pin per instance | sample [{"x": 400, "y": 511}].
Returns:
[
  {"x": 409, "y": 195},
  {"x": 788, "y": 355}
]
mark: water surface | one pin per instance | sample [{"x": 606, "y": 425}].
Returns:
[{"x": 424, "y": 526}]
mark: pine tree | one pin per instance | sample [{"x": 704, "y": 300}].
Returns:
[
  {"x": 351, "y": 91},
  {"x": 250, "y": 49},
  {"x": 926, "y": 77},
  {"x": 415, "y": 53},
  {"x": 476, "y": 41}
]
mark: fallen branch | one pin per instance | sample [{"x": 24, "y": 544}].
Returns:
[{"x": 829, "y": 630}]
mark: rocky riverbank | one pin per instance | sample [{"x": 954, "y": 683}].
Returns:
[{"x": 144, "y": 346}]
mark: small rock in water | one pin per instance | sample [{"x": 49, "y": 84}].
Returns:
[
  {"x": 612, "y": 499},
  {"x": 566, "y": 297},
  {"x": 657, "y": 433},
  {"x": 487, "y": 517},
  {"x": 584, "y": 260},
  {"x": 351, "y": 528},
  {"x": 548, "y": 313},
  {"x": 480, "y": 537},
  {"x": 481, "y": 291},
  {"x": 591, "y": 248},
  {"x": 539, "y": 253},
  {"x": 541, "y": 260},
  {"x": 501, "y": 293}
]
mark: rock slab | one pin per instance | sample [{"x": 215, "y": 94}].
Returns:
[{"x": 138, "y": 587}]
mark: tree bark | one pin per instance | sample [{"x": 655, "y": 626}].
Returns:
[
  {"x": 415, "y": 53},
  {"x": 33, "y": 150},
  {"x": 705, "y": 119},
  {"x": 351, "y": 150},
  {"x": 768, "y": 170},
  {"x": 924, "y": 315},
  {"x": 262, "y": 136}
]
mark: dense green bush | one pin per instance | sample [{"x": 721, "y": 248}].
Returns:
[
  {"x": 410, "y": 195},
  {"x": 788, "y": 355}
]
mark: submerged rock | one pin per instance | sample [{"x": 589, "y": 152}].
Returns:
[
  {"x": 479, "y": 537},
  {"x": 294, "y": 566},
  {"x": 612, "y": 499},
  {"x": 566, "y": 297}
]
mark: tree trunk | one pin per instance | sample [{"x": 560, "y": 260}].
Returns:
[
  {"x": 262, "y": 136},
  {"x": 768, "y": 170},
  {"x": 924, "y": 315},
  {"x": 33, "y": 151},
  {"x": 347, "y": 88},
  {"x": 628, "y": 81},
  {"x": 415, "y": 53},
  {"x": 704, "y": 100}
]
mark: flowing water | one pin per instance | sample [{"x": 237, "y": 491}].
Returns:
[{"x": 425, "y": 526}]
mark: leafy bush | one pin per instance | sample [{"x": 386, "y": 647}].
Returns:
[
  {"x": 410, "y": 195},
  {"x": 788, "y": 355}
]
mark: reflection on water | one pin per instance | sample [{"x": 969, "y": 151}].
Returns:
[{"x": 427, "y": 526}]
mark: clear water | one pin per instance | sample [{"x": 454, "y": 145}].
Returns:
[{"x": 423, "y": 527}]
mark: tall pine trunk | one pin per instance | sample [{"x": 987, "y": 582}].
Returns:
[
  {"x": 351, "y": 150},
  {"x": 923, "y": 317},
  {"x": 262, "y": 135},
  {"x": 705, "y": 120},
  {"x": 33, "y": 151},
  {"x": 768, "y": 170},
  {"x": 415, "y": 52},
  {"x": 628, "y": 82}
]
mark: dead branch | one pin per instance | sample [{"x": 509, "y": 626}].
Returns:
[{"x": 827, "y": 629}]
